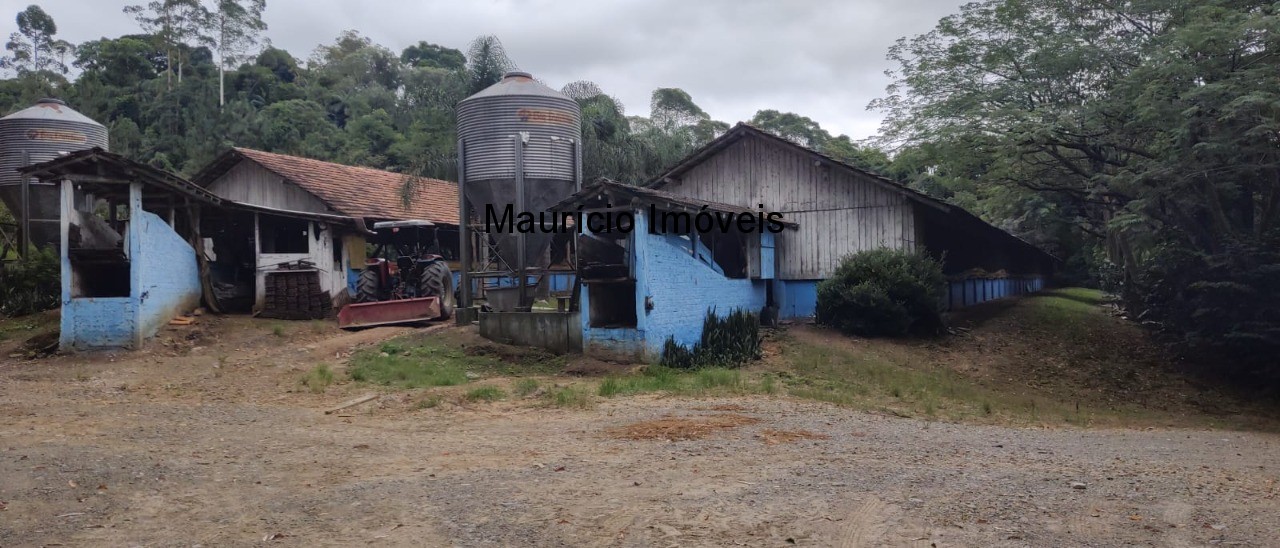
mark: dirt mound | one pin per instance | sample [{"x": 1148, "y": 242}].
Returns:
[
  {"x": 40, "y": 345},
  {"x": 678, "y": 428},
  {"x": 591, "y": 367},
  {"x": 506, "y": 353}
]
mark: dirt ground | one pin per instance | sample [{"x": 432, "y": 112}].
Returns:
[{"x": 207, "y": 438}]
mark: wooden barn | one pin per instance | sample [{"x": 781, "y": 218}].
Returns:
[
  {"x": 841, "y": 209},
  {"x": 301, "y": 227},
  {"x": 647, "y": 285}
]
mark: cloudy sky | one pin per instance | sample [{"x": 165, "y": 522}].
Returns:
[{"x": 820, "y": 58}]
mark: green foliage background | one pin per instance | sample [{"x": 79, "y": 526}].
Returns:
[{"x": 1136, "y": 139}]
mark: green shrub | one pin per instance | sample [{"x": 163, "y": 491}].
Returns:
[
  {"x": 883, "y": 293},
  {"x": 30, "y": 284},
  {"x": 726, "y": 342}
]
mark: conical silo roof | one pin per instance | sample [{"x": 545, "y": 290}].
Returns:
[{"x": 52, "y": 110}]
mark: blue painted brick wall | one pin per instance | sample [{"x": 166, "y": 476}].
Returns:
[
  {"x": 164, "y": 281},
  {"x": 683, "y": 288},
  {"x": 169, "y": 278},
  {"x": 97, "y": 323}
]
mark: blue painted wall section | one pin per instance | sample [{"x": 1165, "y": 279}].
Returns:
[
  {"x": 681, "y": 288},
  {"x": 164, "y": 281},
  {"x": 166, "y": 273},
  {"x": 799, "y": 298},
  {"x": 971, "y": 291},
  {"x": 560, "y": 282},
  {"x": 97, "y": 323},
  {"x": 767, "y": 256},
  {"x": 796, "y": 298}
]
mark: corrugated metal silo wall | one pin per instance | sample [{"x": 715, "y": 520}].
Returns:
[
  {"x": 26, "y": 140},
  {"x": 489, "y": 125}
]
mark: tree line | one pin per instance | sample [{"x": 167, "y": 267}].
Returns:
[
  {"x": 1143, "y": 135},
  {"x": 200, "y": 76}
]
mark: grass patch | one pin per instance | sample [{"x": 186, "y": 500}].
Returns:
[
  {"x": 525, "y": 387},
  {"x": 318, "y": 379},
  {"x": 484, "y": 393},
  {"x": 569, "y": 397},
  {"x": 429, "y": 402},
  {"x": 26, "y": 326},
  {"x": 278, "y": 330},
  {"x": 870, "y": 379},
  {"x": 406, "y": 372},
  {"x": 419, "y": 361},
  {"x": 695, "y": 382}
]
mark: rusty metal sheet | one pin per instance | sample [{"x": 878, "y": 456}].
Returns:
[{"x": 389, "y": 312}]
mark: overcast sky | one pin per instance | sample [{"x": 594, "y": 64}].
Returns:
[{"x": 824, "y": 59}]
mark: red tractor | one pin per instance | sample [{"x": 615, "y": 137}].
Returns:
[{"x": 405, "y": 279}]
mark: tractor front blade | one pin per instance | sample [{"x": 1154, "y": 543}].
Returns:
[{"x": 389, "y": 312}]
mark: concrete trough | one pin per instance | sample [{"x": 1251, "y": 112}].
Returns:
[{"x": 559, "y": 332}]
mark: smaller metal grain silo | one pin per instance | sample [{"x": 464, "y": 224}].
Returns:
[
  {"x": 40, "y": 133},
  {"x": 519, "y": 146}
]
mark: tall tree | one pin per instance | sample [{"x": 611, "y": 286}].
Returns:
[
  {"x": 801, "y": 130},
  {"x": 428, "y": 55},
  {"x": 33, "y": 48},
  {"x": 179, "y": 25},
  {"x": 235, "y": 26},
  {"x": 487, "y": 61}
]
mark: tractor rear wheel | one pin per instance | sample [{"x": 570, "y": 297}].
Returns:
[
  {"x": 367, "y": 286},
  {"x": 437, "y": 281}
]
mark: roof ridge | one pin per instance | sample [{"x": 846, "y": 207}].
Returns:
[{"x": 339, "y": 165}]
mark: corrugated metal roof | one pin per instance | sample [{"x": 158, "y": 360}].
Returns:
[{"x": 94, "y": 161}]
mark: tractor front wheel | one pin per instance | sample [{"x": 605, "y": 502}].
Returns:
[
  {"x": 367, "y": 286},
  {"x": 437, "y": 281}
]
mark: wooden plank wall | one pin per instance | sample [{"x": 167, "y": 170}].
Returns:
[
  {"x": 839, "y": 211},
  {"x": 250, "y": 183}
]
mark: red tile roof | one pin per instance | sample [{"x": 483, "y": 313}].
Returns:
[{"x": 361, "y": 191}]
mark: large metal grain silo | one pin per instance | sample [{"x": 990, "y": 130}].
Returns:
[
  {"x": 519, "y": 146},
  {"x": 37, "y": 134}
]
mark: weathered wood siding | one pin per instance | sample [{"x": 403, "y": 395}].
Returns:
[
  {"x": 839, "y": 211},
  {"x": 250, "y": 183}
]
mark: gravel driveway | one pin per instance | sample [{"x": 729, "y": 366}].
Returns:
[{"x": 96, "y": 463}]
